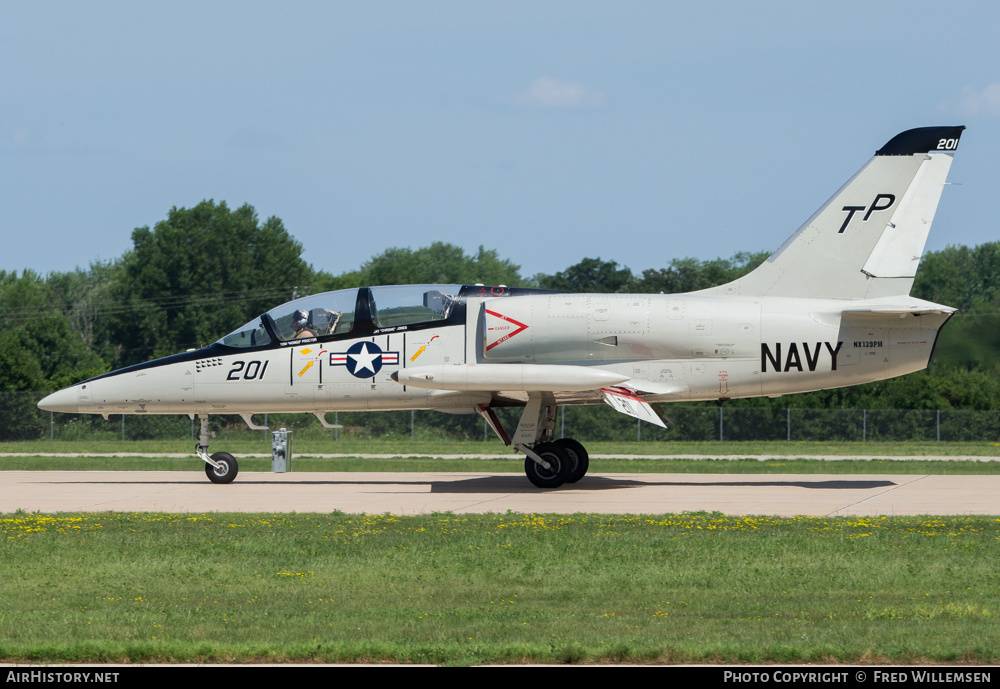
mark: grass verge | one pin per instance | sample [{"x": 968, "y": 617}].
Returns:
[
  {"x": 498, "y": 588},
  {"x": 788, "y": 457}
]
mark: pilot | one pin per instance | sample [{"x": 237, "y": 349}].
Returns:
[{"x": 300, "y": 320}]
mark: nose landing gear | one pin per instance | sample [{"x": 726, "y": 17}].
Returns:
[
  {"x": 225, "y": 469},
  {"x": 221, "y": 467}
]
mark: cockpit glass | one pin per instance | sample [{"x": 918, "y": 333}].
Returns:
[
  {"x": 411, "y": 304},
  {"x": 318, "y": 315},
  {"x": 252, "y": 334},
  {"x": 332, "y": 313}
]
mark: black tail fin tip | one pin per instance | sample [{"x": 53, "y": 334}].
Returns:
[{"x": 922, "y": 140}]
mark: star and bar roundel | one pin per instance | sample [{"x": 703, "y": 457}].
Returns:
[{"x": 364, "y": 359}]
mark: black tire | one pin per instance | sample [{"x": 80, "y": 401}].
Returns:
[
  {"x": 579, "y": 460},
  {"x": 556, "y": 456},
  {"x": 226, "y": 472}
]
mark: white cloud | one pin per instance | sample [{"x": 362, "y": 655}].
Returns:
[
  {"x": 553, "y": 93},
  {"x": 981, "y": 102}
]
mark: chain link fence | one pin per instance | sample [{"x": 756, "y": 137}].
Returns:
[{"x": 20, "y": 419}]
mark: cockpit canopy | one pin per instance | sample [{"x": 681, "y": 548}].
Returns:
[{"x": 358, "y": 311}]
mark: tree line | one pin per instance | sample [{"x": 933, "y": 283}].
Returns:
[{"x": 203, "y": 271}]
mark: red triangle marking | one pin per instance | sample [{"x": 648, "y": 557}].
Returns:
[{"x": 521, "y": 328}]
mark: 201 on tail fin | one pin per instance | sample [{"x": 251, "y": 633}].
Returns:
[{"x": 866, "y": 241}]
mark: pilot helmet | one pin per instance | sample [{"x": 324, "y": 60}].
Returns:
[{"x": 299, "y": 319}]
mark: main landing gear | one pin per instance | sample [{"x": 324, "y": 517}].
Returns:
[
  {"x": 567, "y": 463},
  {"x": 221, "y": 467},
  {"x": 547, "y": 463}
]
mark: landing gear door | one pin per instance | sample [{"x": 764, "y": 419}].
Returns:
[{"x": 629, "y": 403}]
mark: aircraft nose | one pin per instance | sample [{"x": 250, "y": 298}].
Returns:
[{"x": 63, "y": 400}]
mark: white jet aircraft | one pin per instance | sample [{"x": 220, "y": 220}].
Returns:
[{"x": 830, "y": 308}]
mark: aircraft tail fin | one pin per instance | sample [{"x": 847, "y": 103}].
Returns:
[{"x": 867, "y": 240}]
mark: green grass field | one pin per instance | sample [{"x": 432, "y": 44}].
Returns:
[{"x": 498, "y": 588}]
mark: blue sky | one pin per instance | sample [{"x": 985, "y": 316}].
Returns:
[{"x": 551, "y": 131}]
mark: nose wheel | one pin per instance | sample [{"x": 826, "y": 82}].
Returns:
[
  {"x": 225, "y": 470},
  {"x": 221, "y": 467}
]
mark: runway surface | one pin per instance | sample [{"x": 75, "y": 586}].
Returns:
[{"x": 420, "y": 493}]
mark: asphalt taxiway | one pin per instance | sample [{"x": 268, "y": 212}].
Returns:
[{"x": 420, "y": 493}]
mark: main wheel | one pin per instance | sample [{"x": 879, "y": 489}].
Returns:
[
  {"x": 559, "y": 461},
  {"x": 579, "y": 460},
  {"x": 227, "y": 470}
]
